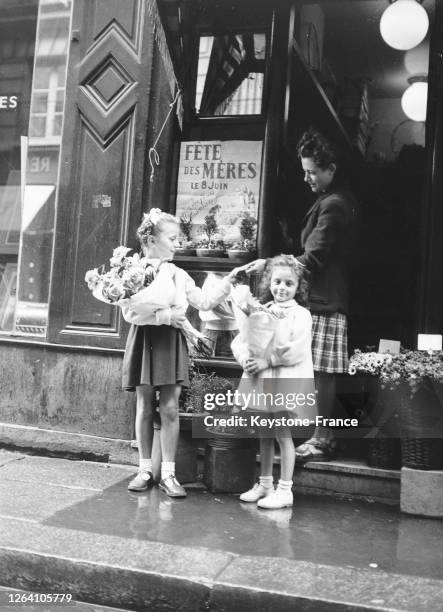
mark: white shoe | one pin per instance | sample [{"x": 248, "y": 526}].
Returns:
[
  {"x": 279, "y": 498},
  {"x": 257, "y": 492}
]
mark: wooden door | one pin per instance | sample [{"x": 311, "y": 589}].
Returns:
[{"x": 102, "y": 161}]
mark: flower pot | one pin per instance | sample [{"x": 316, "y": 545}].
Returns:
[
  {"x": 185, "y": 252},
  {"x": 230, "y": 464},
  {"x": 384, "y": 453},
  {"x": 210, "y": 252},
  {"x": 241, "y": 255}
]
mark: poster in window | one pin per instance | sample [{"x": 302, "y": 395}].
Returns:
[{"x": 220, "y": 176}]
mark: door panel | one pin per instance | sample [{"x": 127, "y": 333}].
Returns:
[{"x": 103, "y": 156}]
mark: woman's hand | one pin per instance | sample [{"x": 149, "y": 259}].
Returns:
[
  {"x": 177, "y": 316},
  {"x": 255, "y": 266},
  {"x": 234, "y": 275},
  {"x": 253, "y": 365}
]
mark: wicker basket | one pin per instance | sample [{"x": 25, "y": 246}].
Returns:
[
  {"x": 422, "y": 453},
  {"x": 384, "y": 453},
  {"x": 421, "y": 418}
]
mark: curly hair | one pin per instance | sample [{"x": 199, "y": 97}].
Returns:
[
  {"x": 300, "y": 272},
  {"x": 314, "y": 145},
  {"x": 152, "y": 223}
]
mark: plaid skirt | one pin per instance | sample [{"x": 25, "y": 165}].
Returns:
[{"x": 330, "y": 342}]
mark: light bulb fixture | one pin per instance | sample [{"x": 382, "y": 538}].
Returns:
[
  {"x": 415, "y": 98},
  {"x": 404, "y": 24}
]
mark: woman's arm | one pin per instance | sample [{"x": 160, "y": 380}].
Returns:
[{"x": 324, "y": 235}]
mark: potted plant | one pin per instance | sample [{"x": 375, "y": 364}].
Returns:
[
  {"x": 417, "y": 378},
  {"x": 187, "y": 246},
  {"x": 383, "y": 448},
  {"x": 409, "y": 402},
  {"x": 244, "y": 249},
  {"x": 230, "y": 461},
  {"x": 211, "y": 245}
]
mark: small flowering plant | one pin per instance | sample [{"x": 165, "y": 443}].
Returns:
[
  {"x": 410, "y": 367},
  {"x": 368, "y": 363},
  {"x": 126, "y": 277},
  {"x": 413, "y": 367}
]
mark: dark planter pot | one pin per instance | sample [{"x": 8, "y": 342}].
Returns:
[
  {"x": 185, "y": 252},
  {"x": 384, "y": 453},
  {"x": 242, "y": 255},
  {"x": 210, "y": 253},
  {"x": 230, "y": 463}
]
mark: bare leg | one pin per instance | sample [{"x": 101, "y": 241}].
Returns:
[
  {"x": 287, "y": 454},
  {"x": 144, "y": 419},
  {"x": 169, "y": 431},
  {"x": 266, "y": 456}
]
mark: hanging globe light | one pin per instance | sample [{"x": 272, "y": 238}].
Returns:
[
  {"x": 415, "y": 98},
  {"x": 404, "y": 24}
]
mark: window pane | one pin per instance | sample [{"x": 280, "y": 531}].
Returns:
[
  {"x": 59, "y": 100},
  {"x": 37, "y": 223},
  {"x": 39, "y": 102},
  {"x": 57, "y": 127},
  {"x": 37, "y": 127},
  {"x": 230, "y": 74},
  {"x": 16, "y": 44},
  {"x": 41, "y": 77}
]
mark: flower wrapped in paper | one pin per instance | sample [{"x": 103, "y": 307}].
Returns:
[
  {"x": 256, "y": 323},
  {"x": 145, "y": 291},
  {"x": 281, "y": 336}
]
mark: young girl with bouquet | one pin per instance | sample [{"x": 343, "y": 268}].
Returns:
[
  {"x": 284, "y": 364},
  {"x": 156, "y": 354}
]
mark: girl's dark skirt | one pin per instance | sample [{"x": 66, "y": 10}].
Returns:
[{"x": 156, "y": 356}]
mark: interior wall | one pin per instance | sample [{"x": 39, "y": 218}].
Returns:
[{"x": 390, "y": 129}]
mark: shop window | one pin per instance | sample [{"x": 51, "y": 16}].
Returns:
[
  {"x": 32, "y": 72},
  {"x": 230, "y": 75},
  {"x": 360, "y": 91}
]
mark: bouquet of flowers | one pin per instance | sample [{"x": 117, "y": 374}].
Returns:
[
  {"x": 256, "y": 323},
  {"x": 141, "y": 287}
]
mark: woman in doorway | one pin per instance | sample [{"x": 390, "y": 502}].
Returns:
[{"x": 327, "y": 238}]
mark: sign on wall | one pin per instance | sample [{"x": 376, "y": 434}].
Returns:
[{"x": 221, "y": 174}]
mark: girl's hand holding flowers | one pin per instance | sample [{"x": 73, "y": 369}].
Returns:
[
  {"x": 254, "y": 365},
  {"x": 178, "y": 317}
]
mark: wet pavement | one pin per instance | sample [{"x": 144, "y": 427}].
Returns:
[
  {"x": 317, "y": 529},
  {"x": 81, "y": 512}
]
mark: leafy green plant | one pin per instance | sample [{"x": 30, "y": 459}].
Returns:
[
  {"x": 247, "y": 227},
  {"x": 202, "y": 383},
  {"x": 247, "y": 233},
  {"x": 186, "y": 226}
]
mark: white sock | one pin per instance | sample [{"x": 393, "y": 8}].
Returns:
[
  {"x": 167, "y": 469},
  {"x": 284, "y": 485},
  {"x": 145, "y": 465},
  {"x": 266, "y": 481}
]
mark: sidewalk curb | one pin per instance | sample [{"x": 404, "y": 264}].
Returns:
[
  {"x": 244, "y": 584},
  {"x": 67, "y": 444}
]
